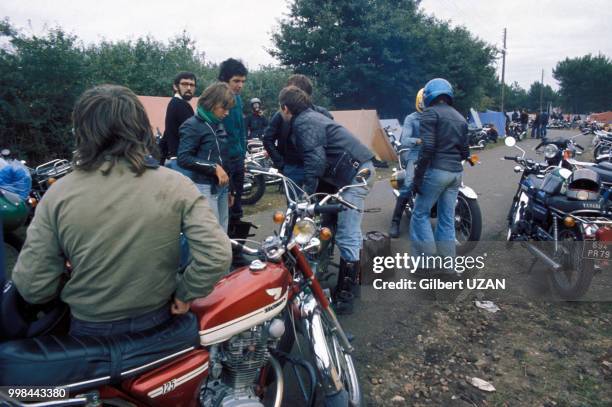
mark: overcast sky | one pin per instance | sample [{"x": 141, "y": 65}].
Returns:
[{"x": 540, "y": 32}]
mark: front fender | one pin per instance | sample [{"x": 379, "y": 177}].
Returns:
[{"x": 468, "y": 192}]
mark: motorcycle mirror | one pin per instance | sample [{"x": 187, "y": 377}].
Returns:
[{"x": 510, "y": 141}]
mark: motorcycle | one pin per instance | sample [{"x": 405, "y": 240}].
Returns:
[
  {"x": 559, "y": 216},
  {"x": 228, "y": 351},
  {"x": 254, "y": 183},
  {"x": 602, "y": 146},
  {"x": 558, "y": 150},
  {"x": 468, "y": 217},
  {"x": 516, "y": 130}
]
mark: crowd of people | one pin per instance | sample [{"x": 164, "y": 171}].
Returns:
[{"x": 124, "y": 220}]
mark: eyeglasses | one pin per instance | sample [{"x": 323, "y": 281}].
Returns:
[{"x": 187, "y": 84}]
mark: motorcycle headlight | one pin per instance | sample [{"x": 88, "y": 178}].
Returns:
[
  {"x": 304, "y": 230},
  {"x": 550, "y": 151},
  {"x": 397, "y": 179}
]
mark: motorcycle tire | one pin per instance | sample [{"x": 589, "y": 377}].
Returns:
[
  {"x": 573, "y": 280},
  {"x": 468, "y": 224},
  {"x": 253, "y": 194}
]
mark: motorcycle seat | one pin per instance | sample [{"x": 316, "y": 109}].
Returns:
[
  {"x": 562, "y": 203},
  {"x": 605, "y": 172},
  {"x": 79, "y": 362}
]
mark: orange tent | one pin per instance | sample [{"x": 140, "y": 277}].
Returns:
[
  {"x": 605, "y": 117},
  {"x": 155, "y": 106},
  {"x": 365, "y": 125}
]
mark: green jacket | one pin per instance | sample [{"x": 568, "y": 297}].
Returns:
[
  {"x": 121, "y": 233},
  {"x": 234, "y": 125}
]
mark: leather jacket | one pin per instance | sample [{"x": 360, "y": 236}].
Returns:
[
  {"x": 329, "y": 150},
  {"x": 202, "y": 146},
  {"x": 445, "y": 139}
]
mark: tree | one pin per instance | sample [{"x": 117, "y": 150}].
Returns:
[
  {"x": 533, "y": 96},
  {"x": 378, "y": 54},
  {"x": 585, "y": 83},
  {"x": 40, "y": 78}
]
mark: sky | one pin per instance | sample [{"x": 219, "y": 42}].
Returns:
[{"x": 539, "y": 32}]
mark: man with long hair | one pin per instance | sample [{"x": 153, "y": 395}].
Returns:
[{"x": 117, "y": 219}]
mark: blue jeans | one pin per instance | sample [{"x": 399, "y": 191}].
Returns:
[
  {"x": 295, "y": 173},
  {"x": 543, "y": 131},
  {"x": 218, "y": 202},
  {"x": 173, "y": 164},
  {"x": 123, "y": 326},
  {"x": 442, "y": 187},
  {"x": 348, "y": 232},
  {"x": 406, "y": 188}
]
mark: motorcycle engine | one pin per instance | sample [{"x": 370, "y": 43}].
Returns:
[{"x": 235, "y": 365}]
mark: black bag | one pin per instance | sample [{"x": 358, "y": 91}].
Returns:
[{"x": 375, "y": 244}]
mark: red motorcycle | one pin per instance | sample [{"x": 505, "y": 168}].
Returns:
[{"x": 227, "y": 352}]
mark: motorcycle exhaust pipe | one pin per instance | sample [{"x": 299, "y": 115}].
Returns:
[
  {"x": 280, "y": 381},
  {"x": 543, "y": 256}
]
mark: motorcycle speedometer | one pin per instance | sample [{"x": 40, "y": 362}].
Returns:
[
  {"x": 550, "y": 151},
  {"x": 304, "y": 230}
]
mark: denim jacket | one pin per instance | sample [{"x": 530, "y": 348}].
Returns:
[{"x": 410, "y": 134}]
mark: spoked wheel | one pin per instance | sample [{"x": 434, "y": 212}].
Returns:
[
  {"x": 255, "y": 186},
  {"x": 574, "y": 277},
  {"x": 468, "y": 224}
]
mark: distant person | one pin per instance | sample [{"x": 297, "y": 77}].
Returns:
[
  {"x": 177, "y": 112},
  {"x": 543, "y": 124},
  {"x": 515, "y": 116},
  {"x": 535, "y": 126},
  {"x": 255, "y": 122},
  {"x": 524, "y": 118}
]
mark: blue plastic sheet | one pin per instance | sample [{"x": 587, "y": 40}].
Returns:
[{"x": 15, "y": 177}]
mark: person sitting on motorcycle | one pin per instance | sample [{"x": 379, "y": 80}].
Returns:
[
  {"x": 439, "y": 169},
  {"x": 256, "y": 122},
  {"x": 408, "y": 140},
  {"x": 203, "y": 148},
  {"x": 331, "y": 153},
  {"x": 117, "y": 219}
]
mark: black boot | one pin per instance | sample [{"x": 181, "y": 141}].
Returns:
[
  {"x": 400, "y": 205},
  {"x": 346, "y": 287}
]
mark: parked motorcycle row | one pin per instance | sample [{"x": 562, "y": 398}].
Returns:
[{"x": 562, "y": 214}]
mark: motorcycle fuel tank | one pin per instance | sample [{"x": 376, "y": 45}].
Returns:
[{"x": 245, "y": 298}]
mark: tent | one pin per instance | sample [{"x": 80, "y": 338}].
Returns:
[
  {"x": 365, "y": 125},
  {"x": 155, "y": 106},
  {"x": 490, "y": 116},
  {"x": 605, "y": 117}
]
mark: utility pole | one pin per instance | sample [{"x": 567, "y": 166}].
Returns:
[
  {"x": 541, "y": 90},
  {"x": 503, "y": 73}
]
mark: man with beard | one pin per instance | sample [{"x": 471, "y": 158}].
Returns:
[{"x": 177, "y": 112}]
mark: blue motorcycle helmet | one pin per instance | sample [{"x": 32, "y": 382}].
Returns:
[{"x": 435, "y": 88}]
